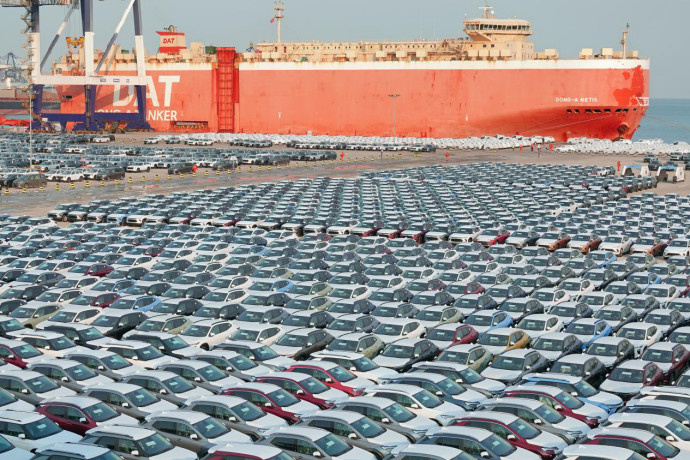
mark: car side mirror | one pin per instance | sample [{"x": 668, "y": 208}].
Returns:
[
  {"x": 439, "y": 393},
  {"x": 485, "y": 454},
  {"x": 648, "y": 380},
  {"x": 64, "y": 379},
  {"x": 588, "y": 373},
  {"x": 622, "y": 353},
  {"x": 352, "y": 436},
  {"x": 83, "y": 420},
  {"x": 328, "y": 380},
  {"x": 511, "y": 437},
  {"x": 163, "y": 391},
  {"x": 21, "y": 436},
  {"x": 353, "y": 368},
  {"x": 558, "y": 408},
  {"x": 651, "y": 455},
  {"x": 414, "y": 406},
  {"x": 161, "y": 348},
  {"x": 537, "y": 421},
  {"x": 299, "y": 392},
  {"x": 385, "y": 420},
  {"x": 101, "y": 368},
  {"x": 25, "y": 391},
  {"x": 232, "y": 418},
  {"x": 670, "y": 438},
  {"x": 197, "y": 379},
  {"x": 125, "y": 405},
  {"x": 573, "y": 393},
  {"x": 268, "y": 404},
  {"x": 471, "y": 361},
  {"x": 316, "y": 454},
  {"x": 194, "y": 436}
]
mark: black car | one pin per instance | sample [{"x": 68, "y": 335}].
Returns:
[
  {"x": 588, "y": 367},
  {"x": 402, "y": 354}
]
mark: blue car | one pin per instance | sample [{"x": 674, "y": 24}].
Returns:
[
  {"x": 577, "y": 387},
  {"x": 138, "y": 303},
  {"x": 589, "y": 329},
  {"x": 488, "y": 320},
  {"x": 602, "y": 258}
]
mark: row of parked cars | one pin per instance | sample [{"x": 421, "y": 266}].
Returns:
[
  {"x": 480, "y": 311},
  {"x": 375, "y": 143}
]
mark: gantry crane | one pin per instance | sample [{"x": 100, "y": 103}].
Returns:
[{"x": 89, "y": 77}]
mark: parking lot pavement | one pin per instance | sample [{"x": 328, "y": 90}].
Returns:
[{"x": 37, "y": 203}]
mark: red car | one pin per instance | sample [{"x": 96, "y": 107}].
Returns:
[
  {"x": 332, "y": 374},
  {"x": 303, "y": 386},
  {"x": 271, "y": 399},
  {"x": 553, "y": 397},
  {"x": 492, "y": 236},
  {"x": 464, "y": 334},
  {"x": 70, "y": 413},
  {"x": 673, "y": 366},
  {"x": 153, "y": 251},
  {"x": 16, "y": 353},
  {"x": 99, "y": 270},
  {"x": 101, "y": 300},
  {"x": 506, "y": 424}
]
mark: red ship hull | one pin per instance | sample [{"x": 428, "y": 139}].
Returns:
[{"x": 590, "y": 98}]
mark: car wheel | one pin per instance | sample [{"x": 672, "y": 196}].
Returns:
[
  {"x": 204, "y": 346},
  {"x": 64, "y": 217}
]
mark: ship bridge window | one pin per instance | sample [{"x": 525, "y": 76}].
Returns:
[
  {"x": 607, "y": 110},
  {"x": 588, "y": 110}
]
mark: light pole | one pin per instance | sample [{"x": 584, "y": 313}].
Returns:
[{"x": 394, "y": 97}]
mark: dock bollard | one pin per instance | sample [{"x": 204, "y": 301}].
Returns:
[{"x": 24, "y": 190}]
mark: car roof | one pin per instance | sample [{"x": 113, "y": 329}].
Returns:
[
  {"x": 79, "y": 401},
  {"x": 476, "y": 433},
  {"x": 73, "y": 450},
  {"x": 640, "y": 435},
  {"x": 345, "y": 415},
  {"x": 305, "y": 432},
  {"x": 132, "y": 432},
  {"x": 597, "y": 451},
  {"x": 178, "y": 414},
  {"x": 20, "y": 417}
]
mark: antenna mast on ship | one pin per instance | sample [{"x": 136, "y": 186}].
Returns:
[
  {"x": 279, "y": 16},
  {"x": 488, "y": 11},
  {"x": 624, "y": 42}
]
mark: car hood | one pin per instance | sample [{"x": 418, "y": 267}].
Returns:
[
  {"x": 176, "y": 453},
  {"x": 522, "y": 454},
  {"x": 231, "y": 436},
  {"x": 154, "y": 363},
  {"x": 333, "y": 395},
  {"x": 225, "y": 382},
  {"x": 60, "y": 391},
  {"x": 267, "y": 422},
  {"x": 194, "y": 393},
  {"x": 280, "y": 362},
  {"x": 448, "y": 410},
  {"x": 549, "y": 441},
  {"x": 550, "y": 355},
  {"x": 157, "y": 407},
  {"x": 121, "y": 419},
  {"x": 495, "y": 349},
  {"x": 62, "y": 436},
  {"x": 441, "y": 344},
  {"x": 186, "y": 352},
  {"x": 302, "y": 408},
  {"x": 19, "y": 405},
  {"x": 604, "y": 398},
  {"x": 490, "y": 385},
  {"x": 620, "y": 387},
  {"x": 391, "y": 363},
  {"x": 287, "y": 352},
  {"x": 592, "y": 411},
  {"x": 375, "y": 375},
  {"x": 96, "y": 380},
  {"x": 356, "y": 454},
  {"x": 501, "y": 375},
  {"x": 571, "y": 424}
]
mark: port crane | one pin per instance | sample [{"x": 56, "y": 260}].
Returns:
[{"x": 89, "y": 78}]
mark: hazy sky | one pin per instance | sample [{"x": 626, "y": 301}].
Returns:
[{"x": 658, "y": 28}]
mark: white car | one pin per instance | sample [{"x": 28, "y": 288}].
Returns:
[
  {"x": 31, "y": 430},
  {"x": 391, "y": 329},
  {"x": 419, "y": 401},
  {"x": 618, "y": 244},
  {"x": 540, "y": 324},
  {"x": 641, "y": 335},
  {"x": 576, "y": 287},
  {"x": 677, "y": 247},
  {"x": 207, "y": 333}
]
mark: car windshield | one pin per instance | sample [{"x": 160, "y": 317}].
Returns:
[
  {"x": 454, "y": 356},
  {"x": 141, "y": 397},
  {"x": 547, "y": 344},
  {"x": 498, "y": 446},
  {"x": 679, "y": 430},
  {"x": 115, "y": 362},
  {"x": 211, "y": 373},
  {"x": 632, "y": 334},
  {"x": 342, "y": 325},
  {"x": 150, "y": 325},
  {"x": 209, "y": 428},
  {"x": 41, "y": 384},
  {"x": 247, "y": 411},
  {"x": 388, "y": 329},
  {"x": 549, "y": 414},
  {"x": 367, "y": 428},
  {"x": 580, "y": 329},
  {"x": 427, "y": 399},
  {"x": 626, "y": 375},
  {"x": 178, "y": 385},
  {"x": 508, "y": 363},
  {"x": 100, "y": 412},
  {"x": 567, "y": 368},
  {"x": 532, "y": 324},
  {"x": 314, "y": 386},
  {"x": 80, "y": 372},
  {"x": 398, "y": 351},
  {"x": 494, "y": 340},
  {"x": 602, "y": 349},
  {"x": 282, "y": 398},
  {"x": 568, "y": 401},
  {"x": 441, "y": 335},
  {"x": 40, "y": 429},
  {"x": 479, "y": 320},
  {"x": 524, "y": 429},
  {"x": 332, "y": 446},
  {"x": 106, "y": 321},
  {"x": 196, "y": 330},
  {"x": 154, "y": 445},
  {"x": 658, "y": 356},
  {"x": 543, "y": 296},
  {"x": 662, "y": 447},
  {"x": 363, "y": 364},
  {"x": 341, "y": 374},
  {"x": 450, "y": 387},
  {"x": 291, "y": 340}
]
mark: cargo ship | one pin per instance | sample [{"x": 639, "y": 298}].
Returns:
[{"x": 490, "y": 82}]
